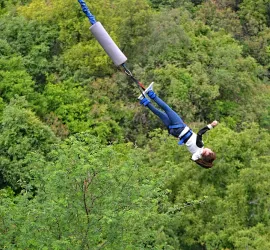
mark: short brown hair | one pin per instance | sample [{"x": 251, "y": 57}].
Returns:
[{"x": 207, "y": 161}]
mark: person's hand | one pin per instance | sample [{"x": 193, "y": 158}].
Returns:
[{"x": 214, "y": 123}]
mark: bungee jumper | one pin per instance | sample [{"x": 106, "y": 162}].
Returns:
[
  {"x": 204, "y": 157},
  {"x": 177, "y": 128}
]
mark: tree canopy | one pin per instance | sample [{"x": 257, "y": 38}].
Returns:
[{"x": 84, "y": 166}]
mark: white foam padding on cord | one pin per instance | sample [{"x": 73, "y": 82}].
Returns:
[{"x": 108, "y": 44}]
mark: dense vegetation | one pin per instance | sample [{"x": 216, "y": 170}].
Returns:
[{"x": 84, "y": 166}]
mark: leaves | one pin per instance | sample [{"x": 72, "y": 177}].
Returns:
[
  {"x": 21, "y": 134},
  {"x": 84, "y": 166}
]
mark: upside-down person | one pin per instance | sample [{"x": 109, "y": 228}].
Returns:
[{"x": 177, "y": 128}]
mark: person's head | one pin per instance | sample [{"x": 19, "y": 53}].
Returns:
[{"x": 208, "y": 156}]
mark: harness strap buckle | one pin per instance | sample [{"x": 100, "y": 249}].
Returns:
[{"x": 185, "y": 137}]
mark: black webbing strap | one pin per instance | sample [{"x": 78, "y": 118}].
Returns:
[{"x": 139, "y": 84}]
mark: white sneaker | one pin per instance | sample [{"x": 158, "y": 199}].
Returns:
[
  {"x": 150, "y": 87},
  {"x": 140, "y": 97}
]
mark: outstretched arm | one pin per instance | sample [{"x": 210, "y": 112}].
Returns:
[
  {"x": 203, "y": 131},
  {"x": 208, "y": 127}
]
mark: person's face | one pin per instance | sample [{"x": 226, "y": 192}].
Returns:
[{"x": 206, "y": 152}]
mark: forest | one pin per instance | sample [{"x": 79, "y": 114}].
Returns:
[{"x": 84, "y": 166}]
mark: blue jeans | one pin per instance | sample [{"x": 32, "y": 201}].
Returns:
[{"x": 169, "y": 117}]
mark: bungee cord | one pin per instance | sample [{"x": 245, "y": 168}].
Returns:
[{"x": 108, "y": 45}]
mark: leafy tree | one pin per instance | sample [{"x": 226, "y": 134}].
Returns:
[
  {"x": 133, "y": 25},
  {"x": 75, "y": 37},
  {"x": 220, "y": 17},
  {"x": 159, "y": 4},
  {"x": 87, "y": 59},
  {"x": 219, "y": 82},
  {"x": 37, "y": 44},
  {"x": 90, "y": 190},
  {"x": 254, "y": 16},
  {"x": 90, "y": 196},
  {"x": 21, "y": 134},
  {"x": 224, "y": 4},
  {"x": 82, "y": 108},
  {"x": 231, "y": 201},
  {"x": 243, "y": 21},
  {"x": 69, "y": 103},
  {"x": 14, "y": 80},
  {"x": 258, "y": 47}
]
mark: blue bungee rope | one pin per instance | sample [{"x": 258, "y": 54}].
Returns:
[{"x": 87, "y": 12}]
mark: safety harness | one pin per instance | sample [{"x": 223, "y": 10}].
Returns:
[{"x": 185, "y": 137}]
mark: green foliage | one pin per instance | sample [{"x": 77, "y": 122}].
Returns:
[
  {"x": 88, "y": 59},
  {"x": 167, "y": 42},
  {"x": 222, "y": 82},
  {"x": 258, "y": 47},
  {"x": 5, "y": 48},
  {"x": 14, "y": 80},
  {"x": 81, "y": 55},
  {"x": 81, "y": 108},
  {"x": 254, "y": 15},
  {"x": 220, "y": 17},
  {"x": 21, "y": 134},
  {"x": 250, "y": 24},
  {"x": 2, "y": 105},
  {"x": 159, "y": 4},
  {"x": 232, "y": 198},
  {"x": 36, "y": 44},
  {"x": 133, "y": 18},
  {"x": 90, "y": 196},
  {"x": 84, "y": 166},
  {"x": 69, "y": 103}
]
